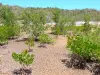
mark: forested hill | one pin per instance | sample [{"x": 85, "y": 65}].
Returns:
[{"x": 76, "y": 15}]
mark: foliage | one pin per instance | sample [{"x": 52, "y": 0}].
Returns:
[
  {"x": 77, "y": 14},
  {"x": 30, "y": 42},
  {"x": 3, "y": 35},
  {"x": 8, "y": 27},
  {"x": 86, "y": 24},
  {"x": 56, "y": 14},
  {"x": 74, "y": 29},
  {"x": 60, "y": 27},
  {"x": 34, "y": 22},
  {"x": 12, "y": 31},
  {"x": 86, "y": 46},
  {"x": 7, "y": 16},
  {"x": 60, "y": 22},
  {"x": 24, "y": 58},
  {"x": 44, "y": 38},
  {"x": 9, "y": 31}
]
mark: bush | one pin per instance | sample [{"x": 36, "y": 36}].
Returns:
[
  {"x": 86, "y": 46},
  {"x": 3, "y": 35},
  {"x": 7, "y": 16},
  {"x": 56, "y": 30},
  {"x": 12, "y": 31},
  {"x": 7, "y": 32},
  {"x": 24, "y": 58},
  {"x": 60, "y": 28},
  {"x": 34, "y": 22},
  {"x": 44, "y": 38},
  {"x": 30, "y": 42}
]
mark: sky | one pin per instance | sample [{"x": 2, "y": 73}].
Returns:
[{"x": 63, "y": 4}]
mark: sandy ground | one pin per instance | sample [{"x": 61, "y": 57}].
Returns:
[{"x": 47, "y": 60}]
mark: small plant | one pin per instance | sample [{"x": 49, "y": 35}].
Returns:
[
  {"x": 44, "y": 38},
  {"x": 24, "y": 58},
  {"x": 30, "y": 43}
]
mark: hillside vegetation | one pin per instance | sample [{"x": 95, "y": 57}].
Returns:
[{"x": 76, "y": 14}]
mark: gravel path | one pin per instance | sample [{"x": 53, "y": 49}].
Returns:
[{"x": 47, "y": 60}]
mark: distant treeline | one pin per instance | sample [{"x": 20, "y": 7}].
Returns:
[{"x": 76, "y": 15}]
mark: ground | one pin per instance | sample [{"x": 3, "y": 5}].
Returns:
[{"x": 47, "y": 60}]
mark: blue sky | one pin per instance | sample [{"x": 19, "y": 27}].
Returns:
[{"x": 64, "y": 4}]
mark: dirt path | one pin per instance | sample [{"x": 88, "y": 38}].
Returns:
[{"x": 47, "y": 60}]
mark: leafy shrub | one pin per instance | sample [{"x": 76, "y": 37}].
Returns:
[
  {"x": 3, "y": 41},
  {"x": 8, "y": 20},
  {"x": 56, "y": 30},
  {"x": 87, "y": 26},
  {"x": 3, "y": 35},
  {"x": 12, "y": 31},
  {"x": 44, "y": 38},
  {"x": 60, "y": 28},
  {"x": 34, "y": 22},
  {"x": 76, "y": 29},
  {"x": 30, "y": 42},
  {"x": 7, "y": 32},
  {"x": 7, "y": 16},
  {"x": 24, "y": 58},
  {"x": 86, "y": 46}
]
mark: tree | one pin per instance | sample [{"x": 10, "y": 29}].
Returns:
[
  {"x": 56, "y": 14},
  {"x": 7, "y": 16},
  {"x": 60, "y": 27},
  {"x": 86, "y": 24},
  {"x": 9, "y": 20},
  {"x": 30, "y": 43},
  {"x": 97, "y": 20},
  {"x": 34, "y": 22}
]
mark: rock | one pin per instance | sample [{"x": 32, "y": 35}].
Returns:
[{"x": 42, "y": 46}]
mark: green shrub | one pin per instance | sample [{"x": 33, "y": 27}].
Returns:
[
  {"x": 7, "y": 16},
  {"x": 24, "y": 58},
  {"x": 44, "y": 38},
  {"x": 34, "y": 22},
  {"x": 7, "y": 32},
  {"x": 30, "y": 42},
  {"x": 87, "y": 46},
  {"x": 60, "y": 28},
  {"x": 75, "y": 29},
  {"x": 3, "y": 35},
  {"x": 12, "y": 31},
  {"x": 56, "y": 30}
]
